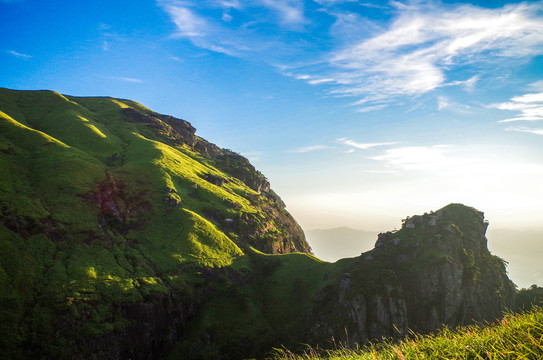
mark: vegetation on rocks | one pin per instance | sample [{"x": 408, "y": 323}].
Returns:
[
  {"x": 515, "y": 336},
  {"x": 123, "y": 234}
]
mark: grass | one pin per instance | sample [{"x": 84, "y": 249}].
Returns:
[
  {"x": 99, "y": 210},
  {"x": 516, "y": 336},
  {"x": 61, "y": 252}
]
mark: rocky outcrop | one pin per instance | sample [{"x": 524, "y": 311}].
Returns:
[
  {"x": 167, "y": 128},
  {"x": 358, "y": 309},
  {"x": 435, "y": 271}
]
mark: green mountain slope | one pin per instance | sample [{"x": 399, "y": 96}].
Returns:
[
  {"x": 125, "y": 235},
  {"x": 104, "y": 201}
]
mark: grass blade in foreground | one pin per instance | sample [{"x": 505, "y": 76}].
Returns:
[{"x": 517, "y": 336}]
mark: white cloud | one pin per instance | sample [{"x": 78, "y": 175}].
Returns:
[
  {"x": 334, "y": 2},
  {"x": 371, "y": 108},
  {"x": 226, "y": 17},
  {"x": 362, "y": 146},
  {"x": 529, "y": 98},
  {"x": 18, "y": 54},
  {"x": 227, "y": 4},
  {"x": 127, "y": 79},
  {"x": 253, "y": 156},
  {"x": 290, "y": 11},
  {"x": 320, "y": 81},
  {"x": 443, "y": 102},
  {"x": 537, "y": 86},
  {"x": 526, "y": 130},
  {"x": 415, "y": 52},
  {"x": 417, "y": 157},
  {"x": 311, "y": 148},
  {"x": 422, "y": 43},
  {"x": 189, "y": 24},
  {"x": 528, "y": 106},
  {"x": 209, "y": 26},
  {"x": 449, "y": 160}
]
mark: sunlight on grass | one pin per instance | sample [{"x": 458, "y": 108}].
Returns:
[{"x": 516, "y": 336}]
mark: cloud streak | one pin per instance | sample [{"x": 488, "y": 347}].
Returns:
[
  {"x": 127, "y": 79},
  {"x": 413, "y": 55},
  {"x": 251, "y": 30},
  {"x": 18, "y": 54},
  {"x": 416, "y": 50},
  {"x": 417, "y": 157},
  {"x": 526, "y": 130},
  {"x": 529, "y": 107},
  {"x": 362, "y": 146},
  {"x": 311, "y": 148}
]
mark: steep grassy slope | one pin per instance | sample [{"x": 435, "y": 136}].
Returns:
[{"x": 104, "y": 202}]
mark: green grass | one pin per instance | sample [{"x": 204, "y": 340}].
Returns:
[
  {"x": 87, "y": 225},
  {"x": 516, "y": 336},
  {"x": 60, "y": 253}
]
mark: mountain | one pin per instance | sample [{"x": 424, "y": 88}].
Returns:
[
  {"x": 125, "y": 235},
  {"x": 106, "y": 210},
  {"x": 522, "y": 250}
]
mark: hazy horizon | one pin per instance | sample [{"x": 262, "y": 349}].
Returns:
[{"x": 514, "y": 246}]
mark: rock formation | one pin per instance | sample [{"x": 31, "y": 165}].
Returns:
[{"x": 435, "y": 271}]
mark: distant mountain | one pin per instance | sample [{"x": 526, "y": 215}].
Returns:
[
  {"x": 522, "y": 249},
  {"x": 339, "y": 243},
  {"x": 124, "y": 235}
]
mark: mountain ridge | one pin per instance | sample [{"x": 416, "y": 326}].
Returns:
[{"x": 125, "y": 235}]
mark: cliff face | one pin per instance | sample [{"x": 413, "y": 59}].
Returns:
[
  {"x": 435, "y": 271},
  {"x": 125, "y": 235}
]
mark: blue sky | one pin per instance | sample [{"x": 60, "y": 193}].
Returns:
[{"x": 359, "y": 112}]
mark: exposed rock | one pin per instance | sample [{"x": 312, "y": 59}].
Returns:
[
  {"x": 437, "y": 270},
  {"x": 214, "y": 179},
  {"x": 168, "y": 128},
  {"x": 172, "y": 200}
]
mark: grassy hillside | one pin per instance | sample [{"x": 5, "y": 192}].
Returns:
[
  {"x": 104, "y": 203},
  {"x": 514, "y": 337},
  {"x": 125, "y": 235}
]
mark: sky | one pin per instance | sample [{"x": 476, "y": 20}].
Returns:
[{"x": 360, "y": 113}]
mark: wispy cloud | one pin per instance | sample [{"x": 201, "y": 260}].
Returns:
[
  {"x": 253, "y": 156},
  {"x": 453, "y": 161},
  {"x": 251, "y": 30},
  {"x": 127, "y": 79},
  {"x": 362, "y": 146},
  {"x": 418, "y": 50},
  {"x": 310, "y": 148},
  {"x": 188, "y": 24},
  {"x": 526, "y": 130},
  {"x": 413, "y": 55},
  {"x": 529, "y": 107},
  {"x": 417, "y": 157},
  {"x": 371, "y": 108},
  {"x": 18, "y": 54},
  {"x": 537, "y": 85},
  {"x": 290, "y": 11}
]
